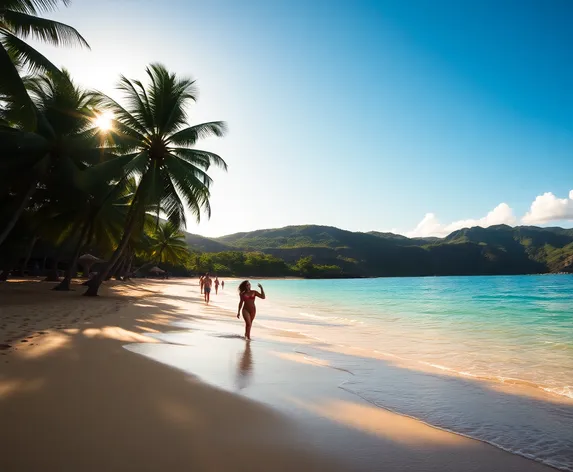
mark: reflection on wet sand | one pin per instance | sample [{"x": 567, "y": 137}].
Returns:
[{"x": 245, "y": 367}]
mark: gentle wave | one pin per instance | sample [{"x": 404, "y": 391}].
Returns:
[
  {"x": 331, "y": 318},
  {"x": 520, "y": 425},
  {"x": 564, "y": 464},
  {"x": 565, "y": 391}
]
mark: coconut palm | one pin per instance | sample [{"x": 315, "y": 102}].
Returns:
[
  {"x": 64, "y": 142},
  {"x": 168, "y": 246},
  {"x": 97, "y": 215},
  {"x": 19, "y": 21},
  {"x": 152, "y": 131}
]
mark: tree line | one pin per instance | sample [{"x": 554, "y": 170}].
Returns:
[{"x": 245, "y": 264}]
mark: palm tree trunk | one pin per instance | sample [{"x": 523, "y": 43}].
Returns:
[
  {"x": 29, "y": 253},
  {"x": 114, "y": 268},
  {"x": 87, "y": 266},
  {"x": 64, "y": 285},
  {"x": 16, "y": 216},
  {"x": 121, "y": 269},
  {"x": 95, "y": 283},
  {"x": 53, "y": 272},
  {"x": 7, "y": 264},
  {"x": 127, "y": 271},
  {"x": 5, "y": 270}
]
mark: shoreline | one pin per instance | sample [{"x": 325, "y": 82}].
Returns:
[
  {"x": 522, "y": 386},
  {"x": 74, "y": 391}
]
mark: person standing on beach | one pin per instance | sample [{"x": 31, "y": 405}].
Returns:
[
  {"x": 247, "y": 303},
  {"x": 207, "y": 282},
  {"x": 216, "y": 285},
  {"x": 201, "y": 282},
  {"x": 222, "y": 284}
]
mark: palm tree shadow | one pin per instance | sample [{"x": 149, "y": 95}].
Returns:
[{"x": 245, "y": 368}]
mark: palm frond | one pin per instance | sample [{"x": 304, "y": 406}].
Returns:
[
  {"x": 167, "y": 245},
  {"x": 33, "y": 6},
  {"x": 12, "y": 86},
  {"x": 107, "y": 171},
  {"x": 52, "y": 32},
  {"x": 168, "y": 98},
  {"x": 20, "y": 150},
  {"x": 203, "y": 159},
  {"x": 189, "y": 136},
  {"x": 29, "y": 57},
  {"x": 123, "y": 119},
  {"x": 172, "y": 204},
  {"x": 184, "y": 168},
  {"x": 192, "y": 184},
  {"x": 137, "y": 165},
  {"x": 138, "y": 103}
]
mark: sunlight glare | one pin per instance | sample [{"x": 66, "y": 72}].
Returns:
[{"x": 104, "y": 121}]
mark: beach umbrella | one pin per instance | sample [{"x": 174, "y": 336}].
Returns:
[{"x": 87, "y": 261}]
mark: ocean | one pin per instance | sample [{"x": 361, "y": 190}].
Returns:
[{"x": 486, "y": 357}]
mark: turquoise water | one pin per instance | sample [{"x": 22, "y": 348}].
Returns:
[
  {"x": 515, "y": 328},
  {"x": 466, "y": 354}
]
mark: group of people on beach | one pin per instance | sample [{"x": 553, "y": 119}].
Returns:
[
  {"x": 247, "y": 298},
  {"x": 206, "y": 283}
]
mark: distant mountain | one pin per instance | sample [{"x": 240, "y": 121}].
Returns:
[
  {"x": 405, "y": 241},
  {"x": 471, "y": 251},
  {"x": 296, "y": 237},
  {"x": 202, "y": 244}
]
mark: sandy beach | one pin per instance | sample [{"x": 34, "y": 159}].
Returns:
[{"x": 91, "y": 385}]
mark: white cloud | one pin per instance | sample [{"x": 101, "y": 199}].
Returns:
[
  {"x": 431, "y": 226},
  {"x": 544, "y": 209},
  {"x": 548, "y": 207}
]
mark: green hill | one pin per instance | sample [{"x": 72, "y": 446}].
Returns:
[
  {"x": 471, "y": 251},
  {"x": 292, "y": 237},
  {"x": 202, "y": 244}
]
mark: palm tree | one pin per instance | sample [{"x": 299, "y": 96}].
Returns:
[
  {"x": 151, "y": 131},
  {"x": 65, "y": 142},
  {"x": 165, "y": 245},
  {"x": 168, "y": 245},
  {"x": 19, "y": 21},
  {"x": 68, "y": 216},
  {"x": 98, "y": 214}
]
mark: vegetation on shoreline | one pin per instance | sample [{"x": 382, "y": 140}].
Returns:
[
  {"x": 245, "y": 264},
  {"x": 476, "y": 251}
]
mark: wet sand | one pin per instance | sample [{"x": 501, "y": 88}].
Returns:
[{"x": 87, "y": 391}]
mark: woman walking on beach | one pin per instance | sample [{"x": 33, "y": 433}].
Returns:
[
  {"x": 216, "y": 285},
  {"x": 247, "y": 303}
]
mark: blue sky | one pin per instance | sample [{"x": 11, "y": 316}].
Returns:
[{"x": 408, "y": 116}]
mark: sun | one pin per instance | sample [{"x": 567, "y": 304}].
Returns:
[{"x": 104, "y": 121}]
